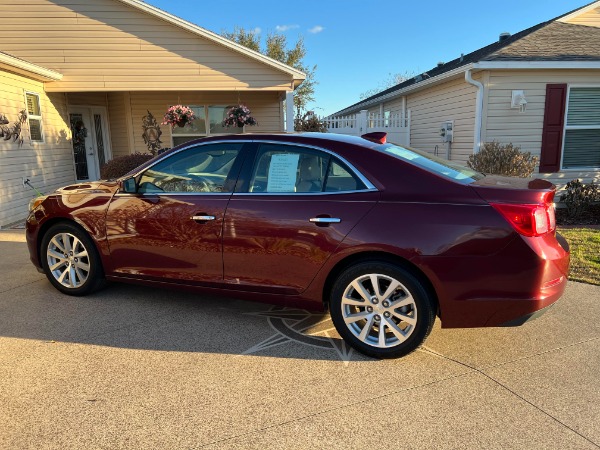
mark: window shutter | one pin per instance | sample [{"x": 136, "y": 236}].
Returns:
[{"x": 552, "y": 133}]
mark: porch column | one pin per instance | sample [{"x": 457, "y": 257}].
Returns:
[{"x": 289, "y": 111}]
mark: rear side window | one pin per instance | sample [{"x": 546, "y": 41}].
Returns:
[
  {"x": 294, "y": 169},
  {"x": 431, "y": 163}
]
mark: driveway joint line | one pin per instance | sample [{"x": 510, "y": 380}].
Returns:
[
  {"x": 22, "y": 285},
  {"x": 336, "y": 408},
  {"x": 514, "y": 393}
]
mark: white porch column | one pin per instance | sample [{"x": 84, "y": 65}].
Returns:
[{"x": 289, "y": 112}]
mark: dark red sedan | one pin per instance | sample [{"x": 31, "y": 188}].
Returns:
[{"x": 385, "y": 237}]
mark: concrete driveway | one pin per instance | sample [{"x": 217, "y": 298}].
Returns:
[{"x": 133, "y": 367}]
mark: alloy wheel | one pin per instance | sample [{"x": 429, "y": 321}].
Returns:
[{"x": 68, "y": 260}]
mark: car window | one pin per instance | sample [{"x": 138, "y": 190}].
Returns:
[
  {"x": 287, "y": 169},
  {"x": 432, "y": 163},
  {"x": 340, "y": 179},
  {"x": 204, "y": 168}
]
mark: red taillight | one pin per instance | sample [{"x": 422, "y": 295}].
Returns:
[{"x": 528, "y": 220}]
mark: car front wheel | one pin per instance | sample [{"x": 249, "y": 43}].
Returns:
[
  {"x": 381, "y": 309},
  {"x": 70, "y": 260}
]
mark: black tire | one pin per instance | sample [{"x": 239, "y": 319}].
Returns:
[
  {"x": 78, "y": 280},
  {"x": 413, "y": 315}
]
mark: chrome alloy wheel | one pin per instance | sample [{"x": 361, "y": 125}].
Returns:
[
  {"x": 68, "y": 260},
  {"x": 379, "y": 310}
]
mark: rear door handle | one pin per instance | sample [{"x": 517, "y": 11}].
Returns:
[
  {"x": 203, "y": 218},
  {"x": 324, "y": 220}
]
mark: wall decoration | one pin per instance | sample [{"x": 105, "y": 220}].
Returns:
[
  {"x": 7, "y": 132},
  {"x": 151, "y": 133}
]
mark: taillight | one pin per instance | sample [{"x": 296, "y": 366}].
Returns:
[{"x": 529, "y": 220}]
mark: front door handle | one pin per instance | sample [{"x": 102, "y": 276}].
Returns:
[
  {"x": 203, "y": 218},
  {"x": 324, "y": 220}
]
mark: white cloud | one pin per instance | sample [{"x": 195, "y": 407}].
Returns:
[
  {"x": 283, "y": 28},
  {"x": 316, "y": 29},
  {"x": 256, "y": 30}
]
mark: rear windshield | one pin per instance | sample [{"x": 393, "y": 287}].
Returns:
[{"x": 432, "y": 163}]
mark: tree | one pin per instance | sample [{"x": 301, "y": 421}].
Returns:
[
  {"x": 276, "y": 47},
  {"x": 390, "y": 81}
]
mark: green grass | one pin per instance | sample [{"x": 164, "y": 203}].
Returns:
[{"x": 585, "y": 253}]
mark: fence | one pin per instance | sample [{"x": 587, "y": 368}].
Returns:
[{"x": 396, "y": 125}]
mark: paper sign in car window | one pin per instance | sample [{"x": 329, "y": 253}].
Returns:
[
  {"x": 282, "y": 172},
  {"x": 402, "y": 153}
]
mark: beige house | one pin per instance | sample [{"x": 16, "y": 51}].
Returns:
[
  {"x": 539, "y": 89},
  {"x": 88, "y": 71}
]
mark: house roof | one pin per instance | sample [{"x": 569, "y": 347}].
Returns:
[
  {"x": 298, "y": 76},
  {"x": 27, "y": 68},
  {"x": 546, "y": 41}
]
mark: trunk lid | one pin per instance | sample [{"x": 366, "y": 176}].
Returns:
[{"x": 499, "y": 189}]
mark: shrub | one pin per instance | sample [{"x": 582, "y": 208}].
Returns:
[
  {"x": 579, "y": 197},
  {"x": 120, "y": 165},
  {"x": 507, "y": 160},
  {"x": 310, "y": 122}
]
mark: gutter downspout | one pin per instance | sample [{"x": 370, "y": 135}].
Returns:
[{"x": 478, "y": 110}]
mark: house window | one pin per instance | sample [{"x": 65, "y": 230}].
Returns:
[
  {"x": 582, "y": 129},
  {"x": 34, "y": 116},
  {"x": 201, "y": 126}
]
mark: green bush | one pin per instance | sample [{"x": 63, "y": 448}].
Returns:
[
  {"x": 579, "y": 197},
  {"x": 120, "y": 165},
  {"x": 508, "y": 160}
]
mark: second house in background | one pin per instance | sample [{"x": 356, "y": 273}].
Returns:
[{"x": 538, "y": 89}]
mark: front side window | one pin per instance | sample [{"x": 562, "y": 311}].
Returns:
[
  {"x": 208, "y": 122},
  {"x": 201, "y": 169},
  {"x": 292, "y": 169},
  {"x": 34, "y": 116},
  {"x": 582, "y": 129}
]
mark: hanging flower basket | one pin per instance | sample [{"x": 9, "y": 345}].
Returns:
[
  {"x": 179, "y": 115},
  {"x": 238, "y": 116}
]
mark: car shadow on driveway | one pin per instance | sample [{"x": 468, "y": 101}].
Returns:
[{"x": 139, "y": 317}]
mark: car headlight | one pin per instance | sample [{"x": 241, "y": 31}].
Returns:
[{"x": 35, "y": 202}]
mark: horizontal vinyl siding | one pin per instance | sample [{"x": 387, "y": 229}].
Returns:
[
  {"x": 453, "y": 100},
  {"x": 506, "y": 125},
  {"x": 265, "y": 108},
  {"x": 590, "y": 18},
  {"x": 106, "y": 45},
  {"x": 47, "y": 164}
]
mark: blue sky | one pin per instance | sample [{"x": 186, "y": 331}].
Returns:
[{"x": 356, "y": 45}]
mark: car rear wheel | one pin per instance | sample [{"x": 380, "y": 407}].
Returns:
[
  {"x": 70, "y": 260},
  {"x": 381, "y": 309}
]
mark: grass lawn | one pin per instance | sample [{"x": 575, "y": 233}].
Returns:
[{"x": 585, "y": 253}]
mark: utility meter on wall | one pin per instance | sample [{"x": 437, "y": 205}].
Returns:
[{"x": 447, "y": 131}]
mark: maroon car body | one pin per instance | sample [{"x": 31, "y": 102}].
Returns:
[{"x": 453, "y": 235}]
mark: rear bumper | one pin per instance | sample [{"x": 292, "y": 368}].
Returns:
[{"x": 505, "y": 289}]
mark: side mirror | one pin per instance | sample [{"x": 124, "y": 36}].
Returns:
[{"x": 127, "y": 186}]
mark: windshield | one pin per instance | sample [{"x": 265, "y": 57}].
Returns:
[{"x": 432, "y": 163}]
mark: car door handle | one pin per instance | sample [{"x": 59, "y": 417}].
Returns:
[
  {"x": 324, "y": 220},
  {"x": 203, "y": 218}
]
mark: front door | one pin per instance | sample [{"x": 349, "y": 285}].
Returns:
[
  {"x": 91, "y": 145},
  {"x": 171, "y": 227}
]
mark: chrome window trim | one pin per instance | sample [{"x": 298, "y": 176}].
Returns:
[
  {"x": 369, "y": 186},
  {"x": 170, "y": 194},
  {"x": 298, "y": 194}
]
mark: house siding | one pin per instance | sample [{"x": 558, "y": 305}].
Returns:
[
  {"x": 590, "y": 18},
  {"x": 118, "y": 104},
  {"x": 47, "y": 164},
  {"x": 106, "y": 45},
  {"x": 454, "y": 100},
  {"x": 507, "y": 125}
]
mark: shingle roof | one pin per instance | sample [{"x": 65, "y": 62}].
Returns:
[
  {"x": 547, "y": 41},
  {"x": 556, "y": 41}
]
